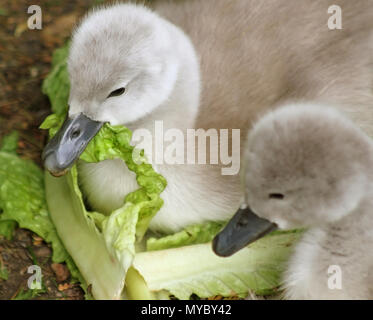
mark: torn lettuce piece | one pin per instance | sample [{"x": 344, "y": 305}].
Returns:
[
  {"x": 7, "y": 228},
  {"x": 57, "y": 85},
  {"x": 111, "y": 237},
  {"x": 114, "y": 236},
  {"x": 9, "y": 142},
  {"x": 197, "y": 270},
  {"x": 100, "y": 265},
  {"x": 113, "y": 142},
  {"x": 118, "y": 230},
  {"x": 22, "y": 200},
  {"x": 194, "y": 234}
]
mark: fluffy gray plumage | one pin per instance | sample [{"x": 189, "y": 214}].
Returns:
[
  {"x": 211, "y": 64},
  {"x": 322, "y": 164}
]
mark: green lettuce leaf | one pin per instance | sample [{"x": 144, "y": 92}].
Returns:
[
  {"x": 119, "y": 230},
  {"x": 7, "y": 228},
  {"x": 57, "y": 85},
  {"x": 22, "y": 199},
  {"x": 23, "y": 202},
  {"x": 195, "y": 234},
  {"x": 102, "y": 265},
  {"x": 106, "y": 248},
  {"x": 113, "y": 142},
  {"x": 197, "y": 270},
  {"x": 9, "y": 142}
]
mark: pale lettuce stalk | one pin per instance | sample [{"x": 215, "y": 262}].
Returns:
[
  {"x": 197, "y": 270},
  {"x": 100, "y": 267}
]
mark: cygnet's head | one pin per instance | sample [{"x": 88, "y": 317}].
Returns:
[
  {"x": 304, "y": 165},
  {"x": 123, "y": 64}
]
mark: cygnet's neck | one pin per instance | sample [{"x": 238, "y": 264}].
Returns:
[
  {"x": 361, "y": 217},
  {"x": 180, "y": 109}
]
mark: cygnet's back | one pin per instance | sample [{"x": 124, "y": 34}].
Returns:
[{"x": 255, "y": 54}]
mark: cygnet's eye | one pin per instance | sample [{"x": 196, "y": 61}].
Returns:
[
  {"x": 278, "y": 196},
  {"x": 117, "y": 92}
]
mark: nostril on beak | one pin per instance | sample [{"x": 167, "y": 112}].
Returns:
[
  {"x": 68, "y": 143},
  {"x": 243, "y": 221},
  {"x": 75, "y": 134}
]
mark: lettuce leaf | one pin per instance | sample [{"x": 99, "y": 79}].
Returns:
[
  {"x": 113, "y": 142},
  {"x": 23, "y": 202},
  {"x": 22, "y": 199},
  {"x": 9, "y": 142},
  {"x": 57, "y": 85},
  {"x": 110, "y": 251},
  {"x": 99, "y": 262},
  {"x": 195, "y": 234},
  {"x": 113, "y": 237},
  {"x": 118, "y": 231},
  {"x": 197, "y": 270}
]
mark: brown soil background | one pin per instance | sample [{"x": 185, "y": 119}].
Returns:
[{"x": 25, "y": 57}]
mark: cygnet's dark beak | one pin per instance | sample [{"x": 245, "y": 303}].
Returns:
[
  {"x": 244, "y": 228},
  {"x": 68, "y": 144}
]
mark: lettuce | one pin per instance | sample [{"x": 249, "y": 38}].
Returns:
[
  {"x": 9, "y": 143},
  {"x": 194, "y": 234},
  {"x": 23, "y": 202},
  {"x": 102, "y": 266},
  {"x": 116, "y": 255},
  {"x": 113, "y": 236},
  {"x": 197, "y": 270}
]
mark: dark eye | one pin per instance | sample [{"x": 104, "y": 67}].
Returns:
[
  {"x": 278, "y": 196},
  {"x": 117, "y": 92}
]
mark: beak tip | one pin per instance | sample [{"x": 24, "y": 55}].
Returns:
[
  {"x": 51, "y": 164},
  {"x": 244, "y": 228},
  {"x": 220, "y": 249}
]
